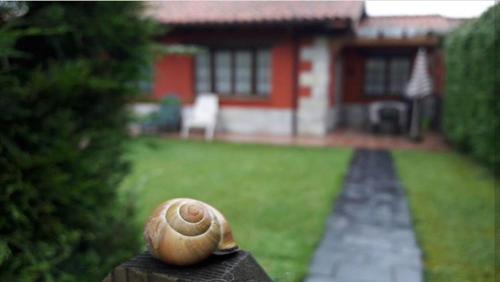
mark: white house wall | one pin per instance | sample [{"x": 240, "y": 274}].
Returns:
[
  {"x": 313, "y": 113},
  {"x": 245, "y": 120},
  {"x": 144, "y": 109}
]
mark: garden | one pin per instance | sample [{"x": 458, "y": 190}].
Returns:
[
  {"x": 452, "y": 200},
  {"x": 278, "y": 198},
  {"x": 77, "y": 190}
]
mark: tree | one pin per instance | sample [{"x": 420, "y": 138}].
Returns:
[
  {"x": 470, "y": 118},
  {"x": 66, "y": 70}
]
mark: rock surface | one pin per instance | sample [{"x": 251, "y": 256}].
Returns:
[{"x": 240, "y": 266}]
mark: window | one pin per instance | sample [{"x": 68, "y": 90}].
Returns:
[
  {"x": 243, "y": 72},
  {"x": 386, "y": 75},
  {"x": 263, "y": 71},
  {"x": 375, "y": 76},
  {"x": 203, "y": 80},
  {"x": 238, "y": 72},
  {"x": 399, "y": 75},
  {"x": 222, "y": 71}
]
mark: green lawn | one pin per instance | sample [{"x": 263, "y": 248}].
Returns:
[
  {"x": 452, "y": 201},
  {"x": 276, "y": 198}
]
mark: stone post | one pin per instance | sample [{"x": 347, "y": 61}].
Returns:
[
  {"x": 313, "y": 109},
  {"x": 240, "y": 266}
]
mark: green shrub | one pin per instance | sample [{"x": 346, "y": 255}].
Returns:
[
  {"x": 471, "y": 106},
  {"x": 66, "y": 70}
]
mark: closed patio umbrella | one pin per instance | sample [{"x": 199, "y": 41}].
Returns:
[{"x": 419, "y": 86}]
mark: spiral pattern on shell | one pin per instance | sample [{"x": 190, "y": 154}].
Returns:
[
  {"x": 189, "y": 218},
  {"x": 185, "y": 231}
]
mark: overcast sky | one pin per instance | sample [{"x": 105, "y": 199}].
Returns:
[{"x": 462, "y": 9}]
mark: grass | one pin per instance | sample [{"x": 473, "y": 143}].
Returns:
[
  {"x": 276, "y": 198},
  {"x": 452, "y": 201}
]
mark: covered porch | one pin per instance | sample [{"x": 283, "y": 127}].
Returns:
[{"x": 375, "y": 70}]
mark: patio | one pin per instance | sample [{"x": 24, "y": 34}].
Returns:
[{"x": 340, "y": 138}]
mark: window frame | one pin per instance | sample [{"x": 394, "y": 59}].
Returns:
[
  {"x": 386, "y": 58},
  {"x": 146, "y": 81},
  {"x": 253, "y": 72}
]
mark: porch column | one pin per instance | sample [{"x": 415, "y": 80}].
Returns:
[
  {"x": 336, "y": 77},
  {"x": 314, "y": 81}
]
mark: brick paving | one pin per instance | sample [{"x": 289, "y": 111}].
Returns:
[
  {"x": 339, "y": 138},
  {"x": 369, "y": 236}
]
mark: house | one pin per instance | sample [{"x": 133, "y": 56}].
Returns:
[{"x": 297, "y": 67}]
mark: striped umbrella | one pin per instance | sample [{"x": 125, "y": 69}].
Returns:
[{"x": 419, "y": 86}]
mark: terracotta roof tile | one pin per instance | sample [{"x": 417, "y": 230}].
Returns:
[
  {"x": 428, "y": 22},
  {"x": 206, "y": 12}
]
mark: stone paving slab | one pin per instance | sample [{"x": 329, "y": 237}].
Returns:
[
  {"x": 369, "y": 236},
  {"x": 338, "y": 138}
]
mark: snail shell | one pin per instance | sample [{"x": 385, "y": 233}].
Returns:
[{"x": 185, "y": 231}]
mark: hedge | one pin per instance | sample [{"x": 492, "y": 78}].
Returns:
[
  {"x": 471, "y": 107},
  {"x": 66, "y": 70}
]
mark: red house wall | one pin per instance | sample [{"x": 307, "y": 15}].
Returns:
[
  {"x": 353, "y": 76},
  {"x": 284, "y": 78},
  {"x": 175, "y": 73},
  {"x": 332, "y": 87},
  {"x": 439, "y": 71}
]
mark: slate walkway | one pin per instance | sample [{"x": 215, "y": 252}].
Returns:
[{"x": 369, "y": 237}]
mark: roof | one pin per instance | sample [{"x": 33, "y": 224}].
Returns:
[
  {"x": 231, "y": 12},
  {"x": 400, "y": 26}
]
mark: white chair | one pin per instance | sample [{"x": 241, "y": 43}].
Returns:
[{"x": 203, "y": 115}]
